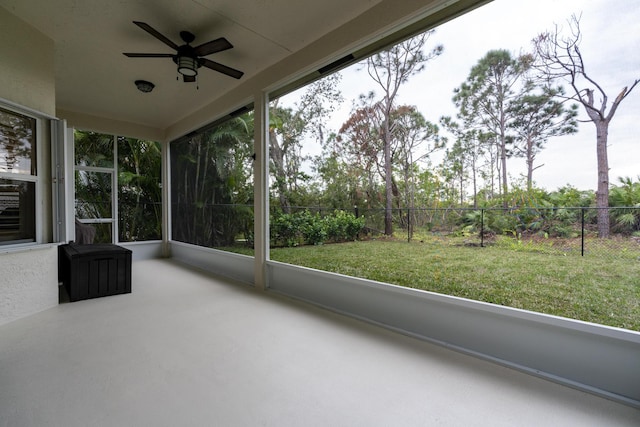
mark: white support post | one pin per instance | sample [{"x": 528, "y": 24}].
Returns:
[
  {"x": 261, "y": 190},
  {"x": 70, "y": 186},
  {"x": 58, "y": 195},
  {"x": 114, "y": 194},
  {"x": 166, "y": 200}
]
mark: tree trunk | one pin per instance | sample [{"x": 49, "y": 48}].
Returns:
[
  {"x": 493, "y": 168},
  {"x": 277, "y": 156},
  {"x": 475, "y": 184},
  {"x": 602, "y": 195},
  {"x": 388, "y": 217},
  {"x": 411, "y": 209},
  {"x": 196, "y": 183},
  {"x": 529, "y": 164},
  {"x": 503, "y": 164}
]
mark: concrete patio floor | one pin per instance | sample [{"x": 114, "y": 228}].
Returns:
[{"x": 188, "y": 349}]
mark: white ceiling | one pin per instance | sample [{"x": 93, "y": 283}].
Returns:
[{"x": 93, "y": 77}]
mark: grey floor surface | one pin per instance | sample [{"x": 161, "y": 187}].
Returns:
[{"x": 184, "y": 349}]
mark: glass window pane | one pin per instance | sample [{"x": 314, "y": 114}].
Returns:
[
  {"x": 93, "y": 195},
  {"x": 103, "y": 232},
  {"x": 17, "y": 143},
  {"x": 93, "y": 149},
  {"x": 17, "y": 211},
  {"x": 139, "y": 190}
]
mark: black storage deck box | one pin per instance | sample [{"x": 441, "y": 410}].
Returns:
[{"x": 91, "y": 271}]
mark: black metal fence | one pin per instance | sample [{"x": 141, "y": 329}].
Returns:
[
  {"x": 559, "y": 230},
  {"x": 554, "y": 230},
  {"x": 567, "y": 231}
]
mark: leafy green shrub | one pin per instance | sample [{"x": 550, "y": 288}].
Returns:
[
  {"x": 343, "y": 226},
  {"x": 285, "y": 229},
  {"x": 625, "y": 221},
  {"x": 334, "y": 228},
  {"x": 561, "y": 222},
  {"x": 472, "y": 221},
  {"x": 293, "y": 229},
  {"x": 571, "y": 196},
  {"x": 314, "y": 229},
  {"x": 499, "y": 222}
]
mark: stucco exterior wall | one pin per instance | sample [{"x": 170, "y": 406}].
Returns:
[
  {"x": 29, "y": 275},
  {"x": 27, "y": 66},
  {"x": 29, "y": 282}
]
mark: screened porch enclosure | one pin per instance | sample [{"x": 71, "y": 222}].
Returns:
[{"x": 208, "y": 334}]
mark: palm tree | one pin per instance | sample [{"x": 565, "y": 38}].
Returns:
[
  {"x": 139, "y": 190},
  {"x": 211, "y": 174},
  {"x": 626, "y": 198}
]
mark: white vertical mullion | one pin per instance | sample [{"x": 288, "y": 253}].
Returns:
[
  {"x": 166, "y": 197},
  {"x": 58, "y": 182},
  {"x": 39, "y": 204},
  {"x": 261, "y": 190},
  {"x": 114, "y": 192},
  {"x": 70, "y": 185},
  {"x": 56, "y": 172}
]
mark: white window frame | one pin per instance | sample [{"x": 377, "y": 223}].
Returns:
[
  {"x": 37, "y": 178},
  {"x": 114, "y": 189}
]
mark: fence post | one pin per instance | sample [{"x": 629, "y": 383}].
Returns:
[
  {"x": 582, "y": 233},
  {"x": 482, "y": 228}
]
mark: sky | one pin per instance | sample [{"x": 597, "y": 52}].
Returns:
[{"x": 611, "y": 37}]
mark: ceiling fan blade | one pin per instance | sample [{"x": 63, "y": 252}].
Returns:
[
  {"x": 213, "y": 46},
  {"x": 188, "y": 79},
  {"x": 149, "y": 55},
  {"x": 149, "y": 29},
  {"x": 220, "y": 68}
]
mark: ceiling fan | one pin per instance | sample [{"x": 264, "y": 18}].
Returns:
[{"x": 189, "y": 58}]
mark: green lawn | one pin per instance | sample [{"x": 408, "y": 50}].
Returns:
[{"x": 601, "y": 289}]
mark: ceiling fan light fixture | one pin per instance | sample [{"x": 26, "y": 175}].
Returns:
[
  {"x": 187, "y": 66},
  {"x": 189, "y": 58},
  {"x": 144, "y": 86}
]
